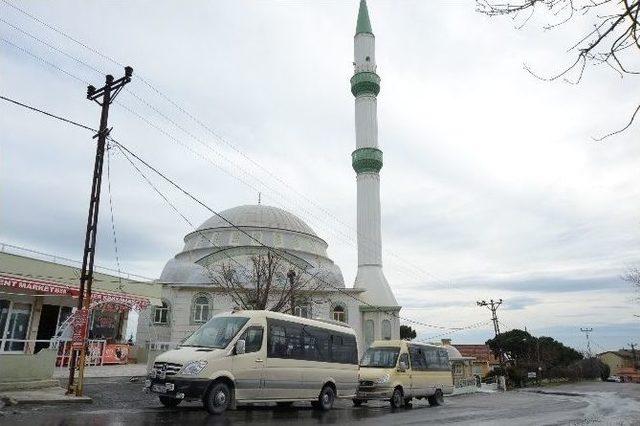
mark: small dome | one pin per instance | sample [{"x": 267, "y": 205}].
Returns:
[
  {"x": 453, "y": 352},
  {"x": 258, "y": 216}
]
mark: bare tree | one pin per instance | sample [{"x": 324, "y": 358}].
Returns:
[
  {"x": 611, "y": 40},
  {"x": 269, "y": 283},
  {"x": 632, "y": 276}
]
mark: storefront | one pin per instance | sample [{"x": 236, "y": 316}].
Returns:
[{"x": 38, "y": 300}]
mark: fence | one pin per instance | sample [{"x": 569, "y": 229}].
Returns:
[{"x": 95, "y": 349}]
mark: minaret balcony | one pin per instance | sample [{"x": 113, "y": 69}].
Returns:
[
  {"x": 365, "y": 83},
  {"x": 366, "y": 160}
]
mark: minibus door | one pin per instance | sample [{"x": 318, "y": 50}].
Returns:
[
  {"x": 248, "y": 368},
  {"x": 405, "y": 377}
]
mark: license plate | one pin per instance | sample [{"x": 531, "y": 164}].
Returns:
[{"x": 159, "y": 388}]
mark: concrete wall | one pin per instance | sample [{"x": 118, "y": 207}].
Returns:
[{"x": 27, "y": 368}]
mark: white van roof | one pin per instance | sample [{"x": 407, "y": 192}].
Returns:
[{"x": 322, "y": 323}]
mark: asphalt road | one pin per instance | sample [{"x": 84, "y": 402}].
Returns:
[{"x": 116, "y": 401}]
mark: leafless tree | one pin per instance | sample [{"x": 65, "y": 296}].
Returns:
[
  {"x": 611, "y": 40},
  {"x": 269, "y": 283},
  {"x": 632, "y": 276}
]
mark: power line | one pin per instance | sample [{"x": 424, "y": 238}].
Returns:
[
  {"x": 57, "y": 117},
  {"x": 113, "y": 222},
  {"x": 204, "y": 205},
  {"x": 203, "y": 125},
  {"x": 276, "y": 252},
  {"x": 171, "y": 182}
]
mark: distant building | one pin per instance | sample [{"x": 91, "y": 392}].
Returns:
[
  {"x": 484, "y": 360},
  {"x": 622, "y": 363},
  {"x": 461, "y": 366}
]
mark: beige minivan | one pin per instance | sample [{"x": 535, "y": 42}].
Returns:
[
  {"x": 398, "y": 370},
  {"x": 259, "y": 356}
]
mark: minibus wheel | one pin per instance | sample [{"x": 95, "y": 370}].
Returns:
[
  {"x": 168, "y": 401},
  {"x": 436, "y": 399},
  {"x": 396, "y": 398},
  {"x": 217, "y": 399},
  {"x": 325, "y": 399},
  {"x": 358, "y": 402}
]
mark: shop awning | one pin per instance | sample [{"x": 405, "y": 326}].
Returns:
[{"x": 58, "y": 289}]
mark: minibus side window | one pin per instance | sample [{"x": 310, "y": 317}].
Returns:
[
  {"x": 418, "y": 361},
  {"x": 404, "y": 358},
  {"x": 252, "y": 337}
]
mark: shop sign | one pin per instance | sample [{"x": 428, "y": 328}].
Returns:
[
  {"x": 44, "y": 287},
  {"x": 80, "y": 322}
]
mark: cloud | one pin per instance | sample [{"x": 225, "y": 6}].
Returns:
[{"x": 491, "y": 187}]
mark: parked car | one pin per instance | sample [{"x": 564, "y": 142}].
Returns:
[
  {"x": 615, "y": 379},
  {"x": 397, "y": 370},
  {"x": 259, "y": 356}
]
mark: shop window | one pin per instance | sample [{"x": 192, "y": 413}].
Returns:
[
  {"x": 14, "y": 319},
  {"x": 338, "y": 313},
  {"x": 161, "y": 314}
]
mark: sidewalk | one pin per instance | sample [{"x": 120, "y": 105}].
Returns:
[
  {"x": 53, "y": 395},
  {"x": 126, "y": 370}
]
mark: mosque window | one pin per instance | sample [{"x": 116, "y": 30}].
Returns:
[
  {"x": 367, "y": 59},
  {"x": 386, "y": 330},
  {"x": 161, "y": 314},
  {"x": 303, "y": 311},
  {"x": 339, "y": 313},
  {"x": 201, "y": 309},
  {"x": 368, "y": 332}
]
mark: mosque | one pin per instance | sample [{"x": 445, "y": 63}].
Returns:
[{"x": 189, "y": 294}]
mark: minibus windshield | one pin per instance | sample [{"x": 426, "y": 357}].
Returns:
[
  {"x": 380, "y": 357},
  {"x": 216, "y": 333}
]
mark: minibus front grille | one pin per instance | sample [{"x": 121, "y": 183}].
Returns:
[
  {"x": 366, "y": 383},
  {"x": 170, "y": 368}
]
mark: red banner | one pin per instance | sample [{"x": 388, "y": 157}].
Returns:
[{"x": 80, "y": 323}]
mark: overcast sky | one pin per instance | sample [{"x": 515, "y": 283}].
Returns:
[{"x": 492, "y": 185}]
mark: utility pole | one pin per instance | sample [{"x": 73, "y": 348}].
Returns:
[
  {"x": 493, "y": 306},
  {"x": 586, "y": 331},
  {"x": 103, "y": 97},
  {"x": 633, "y": 353}
]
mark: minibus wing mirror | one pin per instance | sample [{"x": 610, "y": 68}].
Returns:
[
  {"x": 402, "y": 366},
  {"x": 240, "y": 347}
]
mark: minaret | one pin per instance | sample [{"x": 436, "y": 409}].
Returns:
[{"x": 379, "y": 321}]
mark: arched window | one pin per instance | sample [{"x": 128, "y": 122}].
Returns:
[
  {"x": 201, "y": 308},
  {"x": 338, "y": 313},
  {"x": 386, "y": 330},
  {"x": 368, "y": 332},
  {"x": 160, "y": 314}
]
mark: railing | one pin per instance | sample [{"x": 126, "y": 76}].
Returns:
[
  {"x": 95, "y": 352},
  {"x": 463, "y": 383}
]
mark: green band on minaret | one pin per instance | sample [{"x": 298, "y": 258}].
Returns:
[
  {"x": 365, "y": 83},
  {"x": 364, "y": 25},
  {"x": 366, "y": 160}
]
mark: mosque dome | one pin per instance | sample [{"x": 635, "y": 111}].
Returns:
[
  {"x": 244, "y": 231},
  {"x": 258, "y": 216}
]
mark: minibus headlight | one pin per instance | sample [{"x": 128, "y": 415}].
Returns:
[
  {"x": 383, "y": 379},
  {"x": 194, "y": 367}
]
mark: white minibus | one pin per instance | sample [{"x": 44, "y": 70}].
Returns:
[
  {"x": 259, "y": 356},
  {"x": 397, "y": 370}
]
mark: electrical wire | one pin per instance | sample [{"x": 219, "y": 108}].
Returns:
[
  {"x": 113, "y": 222},
  {"x": 203, "y": 125},
  {"x": 276, "y": 252}
]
